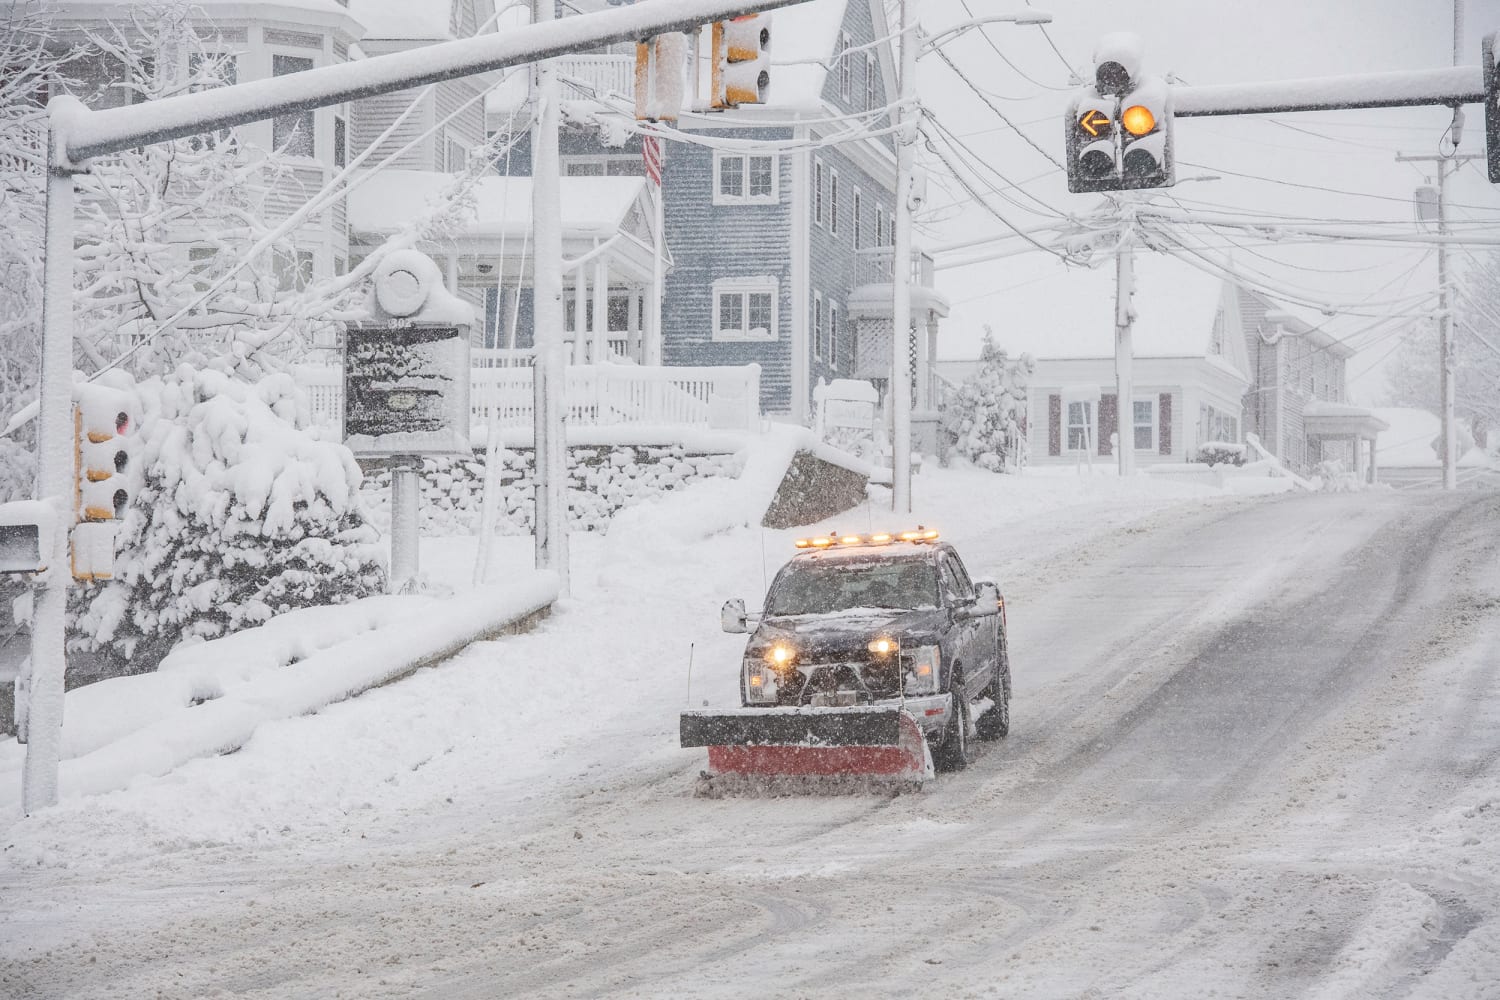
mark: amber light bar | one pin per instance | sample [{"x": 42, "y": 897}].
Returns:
[{"x": 920, "y": 534}]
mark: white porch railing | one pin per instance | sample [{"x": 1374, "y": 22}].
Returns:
[
  {"x": 603, "y": 73},
  {"x": 723, "y": 398}
]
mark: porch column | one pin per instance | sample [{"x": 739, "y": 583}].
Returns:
[
  {"x": 1373, "y": 470},
  {"x": 633, "y": 323},
  {"x": 601, "y": 311},
  {"x": 580, "y": 313},
  {"x": 452, "y": 272},
  {"x": 928, "y": 350}
]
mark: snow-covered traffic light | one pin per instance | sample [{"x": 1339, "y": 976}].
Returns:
[
  {"x": 659, "y": 63},
  {"x": 1119, "y": 128},
  {"x": 103, "y": 446},
  {"x": 741, "y": 61}
]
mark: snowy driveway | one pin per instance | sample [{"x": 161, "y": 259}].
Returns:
[{"x": 1254, "y": 751}]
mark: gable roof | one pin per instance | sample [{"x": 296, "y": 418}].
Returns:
[{"x": 1069, "y": 312}]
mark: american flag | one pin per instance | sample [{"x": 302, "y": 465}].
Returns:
[{"x": 651, "y": 155}]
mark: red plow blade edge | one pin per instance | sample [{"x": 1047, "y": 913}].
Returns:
[{"x": 878, "y": 744}]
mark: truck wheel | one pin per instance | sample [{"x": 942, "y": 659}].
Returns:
[
  {"x": 995, "y": 723},
  {"x": 955, "y": 752}
]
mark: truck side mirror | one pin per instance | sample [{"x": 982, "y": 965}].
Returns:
[
  {"x": 732, "y": 616},
  {"x": 986, "y": 600}
]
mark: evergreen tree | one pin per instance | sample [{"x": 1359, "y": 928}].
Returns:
[{"x": 986, "y": 417}]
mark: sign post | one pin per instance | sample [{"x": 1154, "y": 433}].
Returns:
[{"x": 406, "y": 389}]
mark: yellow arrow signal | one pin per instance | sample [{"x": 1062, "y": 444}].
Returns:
[{"x": 1092, "y": 122}]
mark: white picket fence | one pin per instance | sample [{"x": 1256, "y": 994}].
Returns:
[{"x": 721, "y": 398}]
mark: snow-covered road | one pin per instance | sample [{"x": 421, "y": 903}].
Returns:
[{"x": 1254, "y": 753}]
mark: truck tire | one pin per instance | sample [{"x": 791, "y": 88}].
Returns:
[
  {"x": 955, "y": 752},
  {"x": 995, "y": 723}
]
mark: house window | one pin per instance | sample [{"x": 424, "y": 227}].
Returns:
[
  {"x": 1080, "y": 424},
  {"x": 292, "y": 133},
  {"x": 745, "y": 309},
  {"x": 857, "y": 240},
  {"x": 292, "y": 273},
  {"x": 846, "y": 68},
  {"x": 340, "y": 141},
  {"x": 1144, "y": 423},
  {"x": 833, "y": 202},
  {"x": 744, "y": 180},
  {"x": 608, "y": 165},
  {"x": 817, "y": 325},
  {"x": 879, "y": 226},
  {"x": 891, "y": 229},
  {"x": 818, "y": 191},
  {"x": 458, "y": 156},
  {"x": 200, "y": 262},
  {"x": 833, "y": 335},
  {"x": 872, "y": 95}
]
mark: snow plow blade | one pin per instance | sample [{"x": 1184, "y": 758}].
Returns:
[{"x": 860, "y": 744}]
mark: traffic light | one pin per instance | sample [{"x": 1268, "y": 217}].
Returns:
[
  {"x": 1119, "y": 129},
  {"x": 1491, "y": 109},
  {"x": 741, "y": 61},
  {"x": 658, "y": 77},
  {"x": 103, "y": 443}
]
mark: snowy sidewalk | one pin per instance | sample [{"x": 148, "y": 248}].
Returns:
[{"x": 210, "y": 698}]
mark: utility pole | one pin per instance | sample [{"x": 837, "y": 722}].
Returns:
[
  {"x": 549, "y": 374},
  {"x": 1446, "y": 379},
  {"x": 906, "y": 151},
  {"x": 1124, "y": 349}
]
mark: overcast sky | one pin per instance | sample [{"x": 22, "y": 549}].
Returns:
[{"x": 1208, "y": 42}]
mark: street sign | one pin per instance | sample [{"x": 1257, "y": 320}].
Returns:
[{"x": 406, "y": 389}]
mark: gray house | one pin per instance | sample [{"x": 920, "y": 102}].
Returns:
[{"x": 778, "y": 217}]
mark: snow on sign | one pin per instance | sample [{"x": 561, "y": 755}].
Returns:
[
  {"x": 406, "y": 370},
  {"x": 406, "y": 389}
]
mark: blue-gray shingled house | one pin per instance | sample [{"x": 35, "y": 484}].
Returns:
[{"x": 778, "y": 217}]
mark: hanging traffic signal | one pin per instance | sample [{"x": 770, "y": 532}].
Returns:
[
  {"x": 658, "y": 77},
  {"x": 1119, "y": 129},
  {"x": 740, "y": 58},
  {"x": 103, "y": 446}
]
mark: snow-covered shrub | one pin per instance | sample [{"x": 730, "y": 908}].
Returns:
[
  {"x": 985, "y": 417},
  {"x": 17, "y": 471},
  {"x": 239, "y": 516},
  {"x": 1333, "y": 476},
  {"x": 1221, "y": 453}
]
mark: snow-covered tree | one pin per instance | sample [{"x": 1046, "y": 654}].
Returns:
[
  {"x": 160, "y": 224},
  {"x": 985, "y": 417},
  {"x": 1413, "y": 379},
  {"x": 239, "y": 516}
]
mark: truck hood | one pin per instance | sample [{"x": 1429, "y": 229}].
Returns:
[{"x": 846, "y": 634}]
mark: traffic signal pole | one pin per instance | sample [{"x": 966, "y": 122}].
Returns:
[
  {"x": 75, "y": 133},
  {"x": 1124, "y": 350},
  {"x": 906, "y": 151}
]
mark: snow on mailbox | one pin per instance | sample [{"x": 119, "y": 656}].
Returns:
[{"x": 406, "y": 369}]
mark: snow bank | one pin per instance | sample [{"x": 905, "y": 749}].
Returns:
[{"x": 211, "y": 698}]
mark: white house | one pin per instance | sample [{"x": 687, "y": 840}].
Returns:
[{"x": 1190, "y": 369}]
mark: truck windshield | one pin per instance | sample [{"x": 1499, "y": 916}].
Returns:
[{"x": 817, "y": 588}]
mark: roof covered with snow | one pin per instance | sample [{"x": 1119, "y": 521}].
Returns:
[
  {"x": 1412, "y": 441},
  {"x": 804, "y": 39},
  {"x": 391, "y": 199},
  {"x": 1069, "y": 312},
  {"x": 415, "y": 20}
]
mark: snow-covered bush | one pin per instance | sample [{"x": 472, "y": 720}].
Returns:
[
  {"x": 1221, "y": 453},
  {"x": 17, "y": 471},
  {"x": 985, "y": 418},
  {"x": 239, "y": 516},
  {"x": 1333, "y": 476}
]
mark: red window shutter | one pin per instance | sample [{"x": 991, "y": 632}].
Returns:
[
  {"x": 1108, "y": 422},
  {"x": 1054, "y": 425},
  {"x": 1164, "y": 421}
]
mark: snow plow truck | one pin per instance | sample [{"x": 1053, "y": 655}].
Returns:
[{"x": 876, "y": 659}]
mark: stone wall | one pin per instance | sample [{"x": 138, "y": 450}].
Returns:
[{"x": 601, "y": 481}]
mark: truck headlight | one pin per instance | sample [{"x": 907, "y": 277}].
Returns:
[
  {"x": 921, "y": 667},
  {"x": 760, "y": 681}
]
